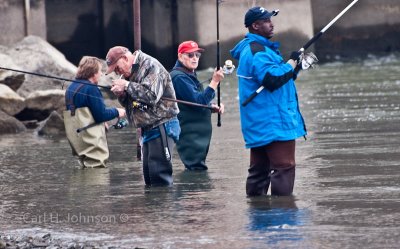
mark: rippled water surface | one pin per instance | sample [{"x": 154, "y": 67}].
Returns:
[{"x": 347, "y": 192}]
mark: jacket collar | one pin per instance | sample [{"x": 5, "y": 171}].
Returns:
[
  {"x": 263, "y": 41},
  {"x": 179, "y": 66}
]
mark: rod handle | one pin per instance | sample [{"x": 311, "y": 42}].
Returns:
[{"x": 252, "y": 96}]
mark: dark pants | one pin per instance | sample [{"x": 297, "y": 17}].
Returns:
[
  {"x": 157, "y": 169},
  {"x": 273, "y": 163}
]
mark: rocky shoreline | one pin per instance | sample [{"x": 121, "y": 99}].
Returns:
[{"x": 46, "y": 241}]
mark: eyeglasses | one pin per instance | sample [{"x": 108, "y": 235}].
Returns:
[{"x": 193, "y": 54}]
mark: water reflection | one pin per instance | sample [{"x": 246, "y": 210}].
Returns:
[{"x": 276, "y": 219}]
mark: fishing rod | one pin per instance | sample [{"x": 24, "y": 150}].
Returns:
[
  {"x": 105, "y": 87},
  {"x": 188, "y": 103},
  {"x": 52, "y": 77},
  {"x": 119, "y": 124},
  {"x": 307, "y": 45},
  {"x": 218, "y": 66}
]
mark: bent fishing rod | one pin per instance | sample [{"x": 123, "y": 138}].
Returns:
[
  {"x": 105, "y": 87},
  {"x": 307, "y": 45}
]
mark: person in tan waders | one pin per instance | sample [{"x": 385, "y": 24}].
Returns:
[{"x": 85, "y": 106}]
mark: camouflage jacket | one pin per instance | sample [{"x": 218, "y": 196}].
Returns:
[{"x": 149, "y": 82}]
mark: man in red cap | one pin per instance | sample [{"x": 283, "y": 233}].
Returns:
[
  {"x": 143, "y": 83},
  {"x": 195, "y": 122}
]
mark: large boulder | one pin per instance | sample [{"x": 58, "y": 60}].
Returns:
[
  {"x": 33, "y": 54},
  {"x": 7, "y": 77},
  {"x": 9, "y": 124},
  {"x": 10, "y": 102},
  {"x": 40, "y": 104}
]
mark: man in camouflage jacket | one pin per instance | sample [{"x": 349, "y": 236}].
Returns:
[{"x": 143, "y": 84}]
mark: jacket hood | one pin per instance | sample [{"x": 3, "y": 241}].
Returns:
[{"x": 250, "y": 37}]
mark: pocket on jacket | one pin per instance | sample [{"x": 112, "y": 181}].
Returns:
[{"x": 289, "y": 115}]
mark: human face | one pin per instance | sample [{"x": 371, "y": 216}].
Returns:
[
  {"x": 190, "y": 60},
  {"x": 96, "y": 76},
  {"x": 122, "y": 67},
  {"x": 264, "y": 28}
]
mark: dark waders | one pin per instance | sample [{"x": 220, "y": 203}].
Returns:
[{"x": 157, "y": 155}]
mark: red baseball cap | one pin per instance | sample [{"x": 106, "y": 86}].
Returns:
[{"x": 188, "y": 47}]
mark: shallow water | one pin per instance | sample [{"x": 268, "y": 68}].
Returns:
[{"x": 347, "y": 192}]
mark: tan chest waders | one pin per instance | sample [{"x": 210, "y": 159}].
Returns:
[{"x": 90, "y": 145}]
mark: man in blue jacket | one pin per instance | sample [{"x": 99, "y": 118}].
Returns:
[{"x": 271, "y": 121}]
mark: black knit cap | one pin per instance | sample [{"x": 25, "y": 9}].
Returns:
[{"x": 257, "y": 13}]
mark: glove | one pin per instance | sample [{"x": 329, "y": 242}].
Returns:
[{"x": 295, "y": 55}]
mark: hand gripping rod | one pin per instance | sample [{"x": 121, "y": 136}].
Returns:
[{"x": 307, "y": 45}]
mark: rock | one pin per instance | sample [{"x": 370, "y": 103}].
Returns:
[
  {"x": 46, "y": 100},
  {"x": 40, "y": 104},
  {"x": 31, "y": 124},
  {"x": 36, "y": 96},
  {"x": 10, "y": 78},
  {"x": 52, "y": 126},
  {"x": 37, "y": 242},
  {"x": 46, "y": 236},
  {"x": 2, "y": 244},
  {"x": 10, "y": 102},
  {"x": 34, "y": 54},
  {"x": 9, "y": 124}
]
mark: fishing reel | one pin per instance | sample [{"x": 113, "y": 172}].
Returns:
[
  {"x": 307, "y": 60},
  {"x": 228, "y": 67},
  {"x": 140, "y": 106},
  {"x": 121, "y": 123}
]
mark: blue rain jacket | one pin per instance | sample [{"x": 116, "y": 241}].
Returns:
[{"x": 273, "y": 115}]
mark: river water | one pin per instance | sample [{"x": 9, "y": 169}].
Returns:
[{"x": 347, "y": 192}]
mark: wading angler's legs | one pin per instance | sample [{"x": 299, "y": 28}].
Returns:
[
  {"x": 275, "y": 164},
  {"x": 282, "y": 163},
  {"x": 259, "y": 172},
  {"x": 157, "y": 170}
]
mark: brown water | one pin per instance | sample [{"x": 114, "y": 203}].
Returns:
[{"x": 347, "y": 192}]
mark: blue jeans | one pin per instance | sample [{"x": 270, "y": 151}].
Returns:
[{"x": 172, "y": 129}]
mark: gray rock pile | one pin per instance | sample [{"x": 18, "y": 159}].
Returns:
[{"x": 28, "y": 101}]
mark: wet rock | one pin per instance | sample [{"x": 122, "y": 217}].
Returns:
[
  {"x": 46, "y": 241},
  {"x": 52, "y": 126},
  {"x": 72, "y": 246},
  {"x": 2, "y": 244},
  {"x": 46, "y": 236},
  {"x": 9, "y": 124},
  {"x": 38, "y": 242},
  {"x": 10, "y": 102}
]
